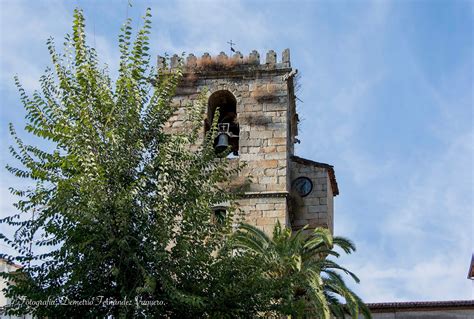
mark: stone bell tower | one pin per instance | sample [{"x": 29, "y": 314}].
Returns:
[{"x": 258, "y": 120}]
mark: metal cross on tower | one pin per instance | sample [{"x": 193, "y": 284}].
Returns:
[{"x": 231, "y": 44}]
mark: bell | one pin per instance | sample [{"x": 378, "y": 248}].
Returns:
[{"x": 222, "y": 142}]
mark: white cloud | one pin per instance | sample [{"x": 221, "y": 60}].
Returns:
[
  {"x": 23, "y": 35},
  {"x": 423, "y": 242},
  {"x": 419, "y": 204},
  {"x": 410, "y": 214},
  {"x": 206, "y": 26},
  {"x": 431, "y": 278}
]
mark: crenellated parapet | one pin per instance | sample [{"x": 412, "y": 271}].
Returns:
[
  {"x": 222, "y": 62},
  {"x": 254, "y": 98}
]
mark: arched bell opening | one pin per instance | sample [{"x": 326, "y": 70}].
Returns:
[{"x": 227, "y": 125}]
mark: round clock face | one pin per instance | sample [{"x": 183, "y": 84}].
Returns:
[{"x": 303, "y": 186}]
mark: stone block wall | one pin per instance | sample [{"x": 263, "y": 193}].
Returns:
[
  {"x": 265, "y": 108},
  {"x": 264, "y": 212},
  {"x": 317, "y": 208}
]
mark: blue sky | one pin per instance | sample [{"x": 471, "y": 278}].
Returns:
[{"x": 387, "y": 91}]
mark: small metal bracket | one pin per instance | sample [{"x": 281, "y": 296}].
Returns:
[{"x": 288, "y": 76}]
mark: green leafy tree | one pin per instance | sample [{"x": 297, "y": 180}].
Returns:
[
  {"x": 118, "y": 221},
  {"x": 306, "y": 283},
  {"x": 120, "y": 208}
]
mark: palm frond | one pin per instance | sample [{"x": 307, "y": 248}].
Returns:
[
  {"x": 345, "y": 244},
  {"x": 302, "y": 261},
  {"x": 328, "y": 264},
  {"x": 318, "y": 298},
  {"x": 248, "y": 243},
  {"x": 253, "y": 230},
  {"x": 321, "y": 237}
]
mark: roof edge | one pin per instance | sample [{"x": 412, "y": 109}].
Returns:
[
  {"x": 421, "y": 305},
  {"x": 470, "y": 274},
  {"x": 330, "y": 168},
  {"x": 10, "y": 263}
]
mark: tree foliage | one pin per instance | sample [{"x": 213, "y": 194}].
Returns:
[
  {"x": 122, "y": 207},
  {"x": 118, "y": 222},
  {"x": 309, "y": 283}
]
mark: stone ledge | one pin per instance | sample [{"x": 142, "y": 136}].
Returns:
[{"x": 265, "y": 194}]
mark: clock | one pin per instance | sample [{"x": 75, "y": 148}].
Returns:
[{"x": 302, "y": 185}]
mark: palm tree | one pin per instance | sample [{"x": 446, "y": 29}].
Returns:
[{"x": 310, "y": 284}]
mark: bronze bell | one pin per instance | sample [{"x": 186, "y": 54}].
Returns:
[{"x": 222, "y": 142}]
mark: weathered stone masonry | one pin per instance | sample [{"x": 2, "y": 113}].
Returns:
[{"x": 264, "y": 101}]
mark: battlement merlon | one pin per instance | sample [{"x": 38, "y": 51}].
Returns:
[{"x": 237, "y": 62}]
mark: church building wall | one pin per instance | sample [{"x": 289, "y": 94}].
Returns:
[{"x": 264, "y": 99}]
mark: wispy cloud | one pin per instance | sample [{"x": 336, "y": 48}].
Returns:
[
  {"x": 24, "y": 31},
  {"x": 206, "y": 26},
  {"x": 396, "y": 125},
  {"x": 426, "y": 236},
  {"x": 409, "y": 206}
]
